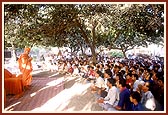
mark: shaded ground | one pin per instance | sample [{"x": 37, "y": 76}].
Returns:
[{"x": 52, "y": 92}]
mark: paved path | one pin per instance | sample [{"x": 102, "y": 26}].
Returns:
[{"x": 51, "y": 92}]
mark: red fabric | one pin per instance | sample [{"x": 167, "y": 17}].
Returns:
[
  {"x": 129, "y": 81},
  {"x": 92, "y": 73},
  {"x": 70, "y": 70}
]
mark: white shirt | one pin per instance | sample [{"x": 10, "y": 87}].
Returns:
[
  {"x": 136, "y": 83},
  {"x": 100, "y": 82},
  {"x": 112, "y": 95},
  {"x": 149, "y": 100},
  {"x": 107, "y": 88},
  {"x": 76, "y": 71}
]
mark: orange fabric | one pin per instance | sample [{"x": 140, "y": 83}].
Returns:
[
  {"x": 25, "y": 67},
  {"x": 27, "y": 49},
  {"x": 7, "y": 73},
  {"x": 13, "y": 84}
]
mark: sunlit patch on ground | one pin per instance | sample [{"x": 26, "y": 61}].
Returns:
[{"x": 55, "y": 94}]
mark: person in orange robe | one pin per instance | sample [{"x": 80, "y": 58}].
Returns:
[
  {"x": 25, "y": 67},
  {"x": 12, "y": 84}
]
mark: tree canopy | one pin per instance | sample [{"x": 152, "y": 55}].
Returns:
[{"x": 120, "y": 26}]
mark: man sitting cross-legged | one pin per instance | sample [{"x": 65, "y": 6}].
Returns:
[{"x": 112, "y": 97}]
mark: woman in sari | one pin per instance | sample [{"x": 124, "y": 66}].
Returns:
[{"x": 25, "y": 67}]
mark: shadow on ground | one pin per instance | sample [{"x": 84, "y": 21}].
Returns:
[
  {"x": 55, "y": 93},
  {"x": 42, "y": 89}
]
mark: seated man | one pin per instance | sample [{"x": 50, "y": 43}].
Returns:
[
  {"x": 91, "y": 75},
  {"x": 112, "y": 97},
  {"x": 135, "y": 98},
  {"x": 124, "y": 103},
  {"x": 75, "y": 71},
  {"x": 99, "y": 84},
  {"x": 148, "y": 99}
]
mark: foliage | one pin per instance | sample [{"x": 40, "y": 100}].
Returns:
[
  {"x": 116, "y": 54},
  {"x": 78, "y": 26},
  {"x": 135, "y": 29}
]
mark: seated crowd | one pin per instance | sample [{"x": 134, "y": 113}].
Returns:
[
  {"x": 120, "y": 85},
  {"x": 127, "y": 84}
]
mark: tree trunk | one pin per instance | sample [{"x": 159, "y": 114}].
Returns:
[
  {"x": 91, "y": 43},
  {"x": 80, "y": 45},
  {"x": 13, "y": 53},
  {"x": 92, "y": 47},
  {"x": 83, "y": 53},
  {"x": 123, "y": 51}
]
